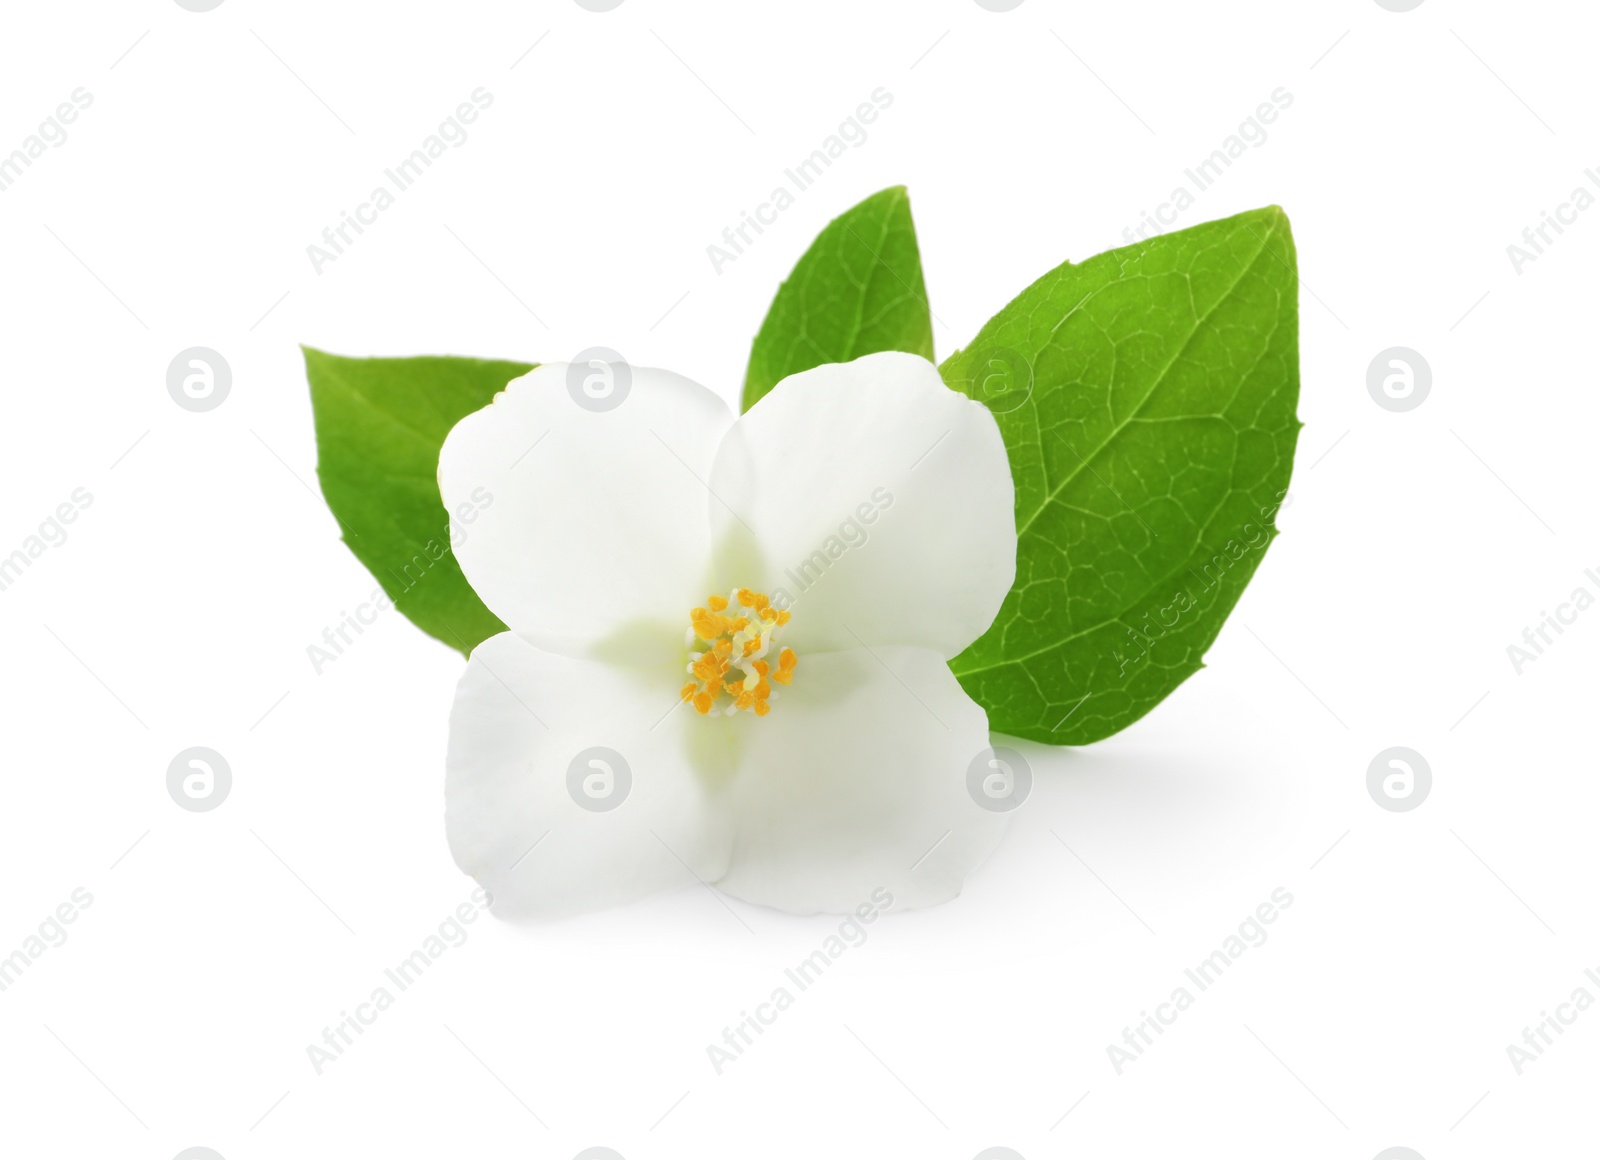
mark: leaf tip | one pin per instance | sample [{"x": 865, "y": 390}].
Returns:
[
  {"x": 1276, "y": 214},
  {"x": 314, "y": 357}
]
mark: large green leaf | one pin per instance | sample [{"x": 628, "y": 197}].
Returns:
[
  {"x": 1147, "y": 399},
  {"x": 857, "y": 290},
  {"x": 380, "y": 423}
]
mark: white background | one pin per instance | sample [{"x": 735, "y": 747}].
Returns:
[{"x": 1416, "y": 548}]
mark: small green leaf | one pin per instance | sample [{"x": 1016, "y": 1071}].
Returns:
[
  {"x": 858, "y": 290},
  {"x": 380, "y": 423},
  {"x": 1147, "y": 399}
]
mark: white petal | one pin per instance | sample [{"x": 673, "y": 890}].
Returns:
[
  {"x": 860, "y": 771},
  {"x": 876, "y": 498},
  {"x": 575, "y": 525},
  {"x": 523, "y": 719}
]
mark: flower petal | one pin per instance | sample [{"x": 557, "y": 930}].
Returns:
[
  {"x": 877, "y": 499},
  {"x": 544, "y": 819},
  {"x": 575, "y": 525},
  {"x": 856, "y": 782}
]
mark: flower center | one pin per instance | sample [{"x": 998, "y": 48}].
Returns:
[{"x": 739, "y": 630}]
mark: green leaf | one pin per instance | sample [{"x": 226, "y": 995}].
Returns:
[
  {"x": 380, "y": 423},
  {"x": 858, "y": 290},
  {"x": 1147, "y": 399}
]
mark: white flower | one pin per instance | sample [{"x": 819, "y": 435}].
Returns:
[{"x": 867, "y": 501}]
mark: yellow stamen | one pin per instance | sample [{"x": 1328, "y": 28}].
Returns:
[{"x": 738, "y": 629}]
